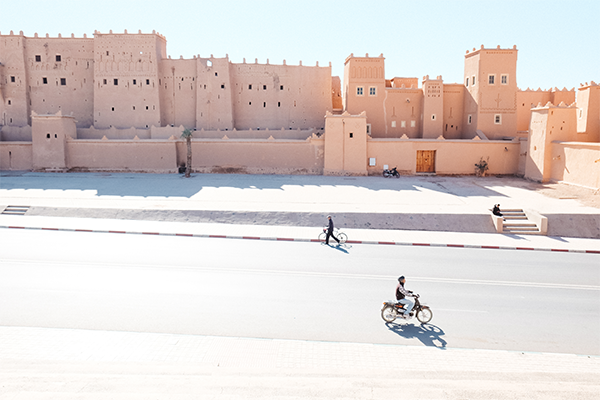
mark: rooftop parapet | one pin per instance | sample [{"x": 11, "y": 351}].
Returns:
[{"x": 498, "y": 48}]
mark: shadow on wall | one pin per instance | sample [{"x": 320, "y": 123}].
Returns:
[{"x": 173, "y": 185}]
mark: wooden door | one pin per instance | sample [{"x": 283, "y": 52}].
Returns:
[{"x": 426, "y": 161}]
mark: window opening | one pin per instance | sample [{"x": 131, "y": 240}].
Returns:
[
  {"x": 134, "y": 82},
  {"x": 359, "y": 91},
  {"x": 504, "y": 79},
  {"x": 250, "y": 87},
  {"x": 467, "y": 83},
  {"x": 12, "y": 79},
  {"x": 116, "y": 82},
  {"x": 147, "y": 81},
  {"x": 45, "y": 80},
  {"x": 351, "y": 135},
  {"x": 473, "y": 80},
  {"x": 264, "y": 104},
  {"x": 278, "y": 104},
  {"x": 491, "y": 79},
  {"x": 264, "y": 87},
  {"x": 58, "y": 58},
  {"x": 372, "y": 91},
  {"x": 222, "y": 86},
  {"x": 281, "y": 87},
  {"x": 38, "y": 58},
  {"x": 63, "y": 81}
]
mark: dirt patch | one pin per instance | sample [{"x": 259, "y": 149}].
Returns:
[{"x": 587, "y": 197}]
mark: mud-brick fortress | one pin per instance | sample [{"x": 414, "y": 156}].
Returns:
[{"x": 117, "y": 102}]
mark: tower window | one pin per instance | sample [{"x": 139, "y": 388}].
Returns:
[
  {"x": 222, "y": 86},
  {"x": 12, "y": 79},
  {"x": 116, "y": 81},
  {"x": 45, "y": 80},
  {"x": 58, "y": 58},
  {"x": 469, "y": 119},
  {"x": 491, "y": 79},
  {"x": 504, "y": 79},
  {"x": 359, "y": 91},
  {"x": 281, "y": 87},
  {"x": 147, "y": 81},
  {"x": 372, "y": 91},
  {"x": 250, "y": 87},
  {"x": 134, "y": 81},
  {"x": 498, "y": 119},
  {"x": 473, "y": 80},
  {"x": 467, "y": 83},
  {"x": 38, "y": 58},
  {"x": 264, "y": 87},
  {"x": 63, "y": 81}
]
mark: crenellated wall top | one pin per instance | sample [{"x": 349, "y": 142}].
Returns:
[{"x": 498, "y": 49}]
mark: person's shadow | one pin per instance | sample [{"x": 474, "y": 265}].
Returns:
[
  {"x": 340, "y": 247},
  {"x": 429, "y": 335}
]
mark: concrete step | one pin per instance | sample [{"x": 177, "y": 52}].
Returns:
[{"x": 15, "y": 210}]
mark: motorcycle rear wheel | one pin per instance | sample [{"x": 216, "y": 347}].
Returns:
[
  {"x": 424, "y": 315},
  {"x": 389, "y": 314},
  {"x": 386, "y": 174}
]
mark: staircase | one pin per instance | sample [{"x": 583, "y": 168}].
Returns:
[
  {"x": 15, "y": 210},
  {"x": 516, "y": 221}
]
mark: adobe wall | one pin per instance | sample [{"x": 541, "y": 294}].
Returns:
[
  {"x": 255, "y": 156},
  {"x": 588, "y": 113},
  {"x": 453, "y": 157},
  {"x": 275, "y": 96},
  {"x": 158, "y": 156},
  {"x": 402, "y": 110},
  {"x": 528, "y": 99},
  {"x": 15, "y": 133},
  {"x": 16, "y": 156},
  {"x": 453, "y": 95},
  {"x": 345, "y": 144},
  {"x": 576, "y": 163}
]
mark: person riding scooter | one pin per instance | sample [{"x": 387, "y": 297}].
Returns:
[{"x": 402, "y": 295}]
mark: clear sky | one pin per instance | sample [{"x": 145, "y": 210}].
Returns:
[{"x": 558, "y": 41}]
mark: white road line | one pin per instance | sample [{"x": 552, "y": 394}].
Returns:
[{"x": 561, "y": 286}]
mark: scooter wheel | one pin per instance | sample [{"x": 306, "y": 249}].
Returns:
[{"x": 389, "y": 314}]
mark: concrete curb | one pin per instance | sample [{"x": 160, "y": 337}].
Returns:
[{"x": 307, "y": 239}]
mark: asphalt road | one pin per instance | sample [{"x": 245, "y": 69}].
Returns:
[{"x": 486, "y": 299}]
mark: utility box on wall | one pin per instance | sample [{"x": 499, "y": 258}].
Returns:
[{"x": 49, "y": 140}]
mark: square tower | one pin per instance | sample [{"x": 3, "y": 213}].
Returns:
[
  {"x": 364, "y": 90},
  {"x": 490, "y": 102}
]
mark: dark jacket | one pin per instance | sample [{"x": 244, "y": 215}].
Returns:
[{"x": 330, "y": 229}]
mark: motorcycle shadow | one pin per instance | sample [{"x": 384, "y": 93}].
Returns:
[{"x": 429, "y": 335}]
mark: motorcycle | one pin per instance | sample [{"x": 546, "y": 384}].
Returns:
[
  {"x": 392, "y": 310},
  {"x": 388, "y": 173}
]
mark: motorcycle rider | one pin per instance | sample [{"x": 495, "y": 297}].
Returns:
[{"x": 402, "y": 295}]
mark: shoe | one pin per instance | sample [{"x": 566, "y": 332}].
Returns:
[{"x": 405, "y": 316}]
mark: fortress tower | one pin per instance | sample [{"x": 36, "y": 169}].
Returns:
[
  {"x": 364, "y": 90},
  {"x": 490, "y": 79}
]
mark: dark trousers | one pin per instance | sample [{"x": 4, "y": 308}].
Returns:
[{"x": 330, "y": 234}]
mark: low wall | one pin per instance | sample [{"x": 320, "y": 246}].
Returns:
[
  {"x": 576, "y": 163},
  {"x": 157, "y": 156},
  {"x": 15, "y": 133},
  {"x": 16, "y": 156},
  {"x": 453, "y": 157},
  {"x": 255, "y": 156}
]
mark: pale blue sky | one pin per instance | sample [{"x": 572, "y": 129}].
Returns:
[{"x": 558, "y": 41}]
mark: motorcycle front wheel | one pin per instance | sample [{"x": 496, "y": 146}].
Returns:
[
  {"x": 386, "y": 174},
  {"x": 388, "y": 314},
  {"x": 424, "y": 315}
]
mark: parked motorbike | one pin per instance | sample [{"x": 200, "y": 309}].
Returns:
[
  {"x": 388, "y": 173},
  {"x": 392, "y": 310}
]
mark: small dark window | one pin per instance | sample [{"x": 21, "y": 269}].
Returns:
[
  {"x": 216, "y": 74},
  {"x": 222, "y": 86},
  {"x": 134, "y": 82},
  {"x": 12, "y": 79},
  {"x": 249, "y": 103},
  {"x": 45, "y": 80},
  {"x": 281, "y": 87},
  {"x": 47, "y": 136},
  {"x": 264, "y": 87},
  {"x": 113, "y": 109},
  {"x": 249, "y": 87},
  {"x": 278, "y": 104},
  {"x": 104, "y": 80},
  {"x": 9, "y": 102},
  {"x": 58, "y": 58},
  {"x": 146, "y": 107},
  {"x": 55, "y": 136},
  {"x": 38, "y": 58},
  {"x": 351, "y": 135},
  {"x": 63, "y": 81},
  {"x": 133, "y": 108},
  {"x": 147, "y": 81},
  {"x": 265, "y": 104},
  {"x": 116, "y": 81},
  {"x": 107, "y": 53}
]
